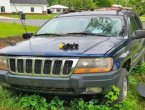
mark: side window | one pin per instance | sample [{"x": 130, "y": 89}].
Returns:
[
  {"x": 32, "y": 9},
  {"x": 133, "y": 25},
  {"x": 138, "y": 22},
  {"x": 2, "y": 8}
]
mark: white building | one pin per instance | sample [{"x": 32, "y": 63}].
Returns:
[
  {"x": 58, "y": 8},
  {"x": 25, "y": 6}
]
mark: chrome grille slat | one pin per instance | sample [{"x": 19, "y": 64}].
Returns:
[
  {"x": 24, "y": 66},
  {"x": 53, "y": 67},
  {"x": 16, "y": 65},
  {"x": 62, "y": 66},
  {"x": 8, "y": 64},
  {"x": 33, "y": 64},
  {"x": 42, "y": 66}
]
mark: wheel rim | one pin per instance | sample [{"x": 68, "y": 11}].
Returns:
[{"x": 125, "y": 87}]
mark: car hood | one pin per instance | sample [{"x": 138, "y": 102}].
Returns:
[{"x": 49, "y": 46}]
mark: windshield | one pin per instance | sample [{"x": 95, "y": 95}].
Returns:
[{"x": 107, "y": 26}]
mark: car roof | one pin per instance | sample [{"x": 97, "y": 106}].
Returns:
[{"x": 98, "y": 12}]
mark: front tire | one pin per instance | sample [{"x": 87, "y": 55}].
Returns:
[{"x": 122, "y": 84}]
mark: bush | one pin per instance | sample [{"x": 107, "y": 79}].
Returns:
[{"x": 34, "y": 102}]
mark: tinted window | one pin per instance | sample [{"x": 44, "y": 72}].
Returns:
[
  {"x": 32, "y": 9},
  {"x": 2, "y": 8},
  {"x": 138, "y": 22},
  {"x": 133, "y": 25}
]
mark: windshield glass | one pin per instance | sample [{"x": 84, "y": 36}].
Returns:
[{"x": 107, "y": 26}]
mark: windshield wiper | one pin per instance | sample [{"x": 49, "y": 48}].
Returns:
[
  {"x": 87, "y": 33},
  {"x": 48, "y": 34},
  {"x": 81, "y": 33}
]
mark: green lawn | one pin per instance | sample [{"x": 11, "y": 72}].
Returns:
[
  {"x": 142, "y": 18},
  {"x": 13, "y": 29},
  {"x": 49, "y": 16}
]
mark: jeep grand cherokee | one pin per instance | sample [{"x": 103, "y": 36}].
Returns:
[{"x": 76, "y": 53}]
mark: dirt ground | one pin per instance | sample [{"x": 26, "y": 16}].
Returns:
[{"x": 7, "y": 41}]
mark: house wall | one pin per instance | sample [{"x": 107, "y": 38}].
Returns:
[
  {"x": 27, "y": 8},
  {"x": 6, "y": 4}
]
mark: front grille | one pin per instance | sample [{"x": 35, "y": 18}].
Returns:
[
  {"x": 28, "y": 66},
  {"x": 42, "y": 66},
  {"x": 57, "y": 67}
]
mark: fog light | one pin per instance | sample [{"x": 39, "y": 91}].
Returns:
[{"x": 93, "y": 90}]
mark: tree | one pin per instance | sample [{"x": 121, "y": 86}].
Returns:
[
  {"x": 138, "y": 6},
  {"x": 75, "y": 4},
  {"x": 104, "y": 3},
  {"x": 121, "y": 2}
]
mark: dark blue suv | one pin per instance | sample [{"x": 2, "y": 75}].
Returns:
[{"x": 76, "y": 53}]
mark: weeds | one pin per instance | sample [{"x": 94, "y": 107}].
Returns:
[
  {"x": 34, "y": 102},
  {"x": 112, "y": 95},
  {"x": 139, "y": 69},
  {"x": 56, "y": 104}
]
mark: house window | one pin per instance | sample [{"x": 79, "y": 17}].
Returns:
[
  {"x": 2, "y": 8},
  {"x": 32, "y": 9},
  {"x": 58, "y": 10}
]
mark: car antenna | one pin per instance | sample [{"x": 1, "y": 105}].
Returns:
[{"x": 21, "y": 16}]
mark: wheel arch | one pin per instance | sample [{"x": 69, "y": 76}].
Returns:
[{"x": 127, "y": 65}]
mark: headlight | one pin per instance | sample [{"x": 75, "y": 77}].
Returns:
[
  {"x": 3, "y": 63},
  {"x": 94, "y": 65}
]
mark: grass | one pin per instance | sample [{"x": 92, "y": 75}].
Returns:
[
  {"x": 13, "y": 29},
  {"x": 49, "y": 16},
  {"x": 9, "y": 101},
  {"x": 142, "y": 18}
]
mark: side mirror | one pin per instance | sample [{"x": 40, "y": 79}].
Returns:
[
  {"x": 139, "y": 34},
  {"x": 27, "y": 35}
]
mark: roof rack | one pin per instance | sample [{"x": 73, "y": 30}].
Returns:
[
  {"x": 118, "y": 9},
  {"x": 127, "y": 8},
  {"x": 114, "y": 7}
]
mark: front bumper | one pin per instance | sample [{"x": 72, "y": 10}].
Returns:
[{"x": 76, "y": 84}]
